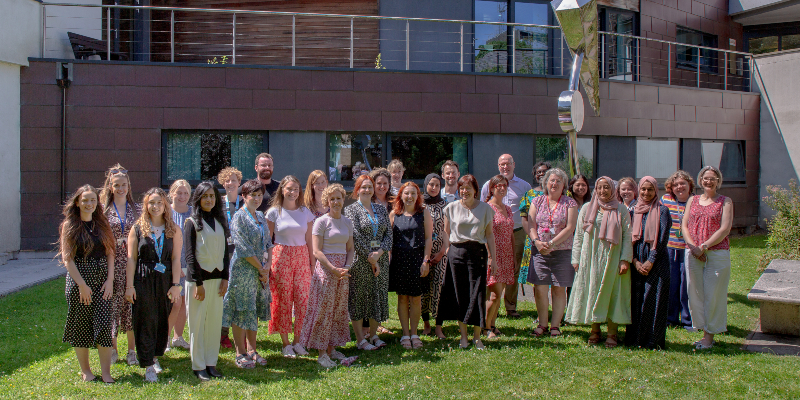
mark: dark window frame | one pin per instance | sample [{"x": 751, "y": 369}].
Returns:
[
  {"x": 603, "y": 12},
  {"x": 760, "y": 31},
  {"x": 166, "y": 182},
  {"x": 712, "y": 55},
  {"x": 729, "y": 179}
]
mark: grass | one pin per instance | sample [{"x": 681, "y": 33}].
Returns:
[{"x": 34, "y": 363}]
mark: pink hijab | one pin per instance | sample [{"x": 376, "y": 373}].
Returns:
[
  {"x": 653, "y": 211},
  {"x": 610, "y": 229}
]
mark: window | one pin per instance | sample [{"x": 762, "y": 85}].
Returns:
[
  {"x": 619, "y": 53},
  {"x": 762, "y": 45},
  {"x": 492, "y": 51},
  {"x": 728, "y": 157},
  {"x": 200, "y": 155},
  {"x": 555, "y": 151},
  {"x": 353, "y": 154},
  {"x": 688, "y": 56},
  {"x": 657, "y": 158},
  {"x": 532, "y": 44}
]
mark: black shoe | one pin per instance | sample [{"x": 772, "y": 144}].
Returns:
[
  {"x": 202, "y": 375},
  {"x": 513, "y": 314},
  {"x": 212, "y": 370}
]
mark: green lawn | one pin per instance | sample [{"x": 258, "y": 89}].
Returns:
[{"x": 34, "y": 363}]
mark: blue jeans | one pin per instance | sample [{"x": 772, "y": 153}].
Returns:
[{"x": 678, "y": 294}]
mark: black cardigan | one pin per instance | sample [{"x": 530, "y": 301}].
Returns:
[{"x": 194, "y": 273}]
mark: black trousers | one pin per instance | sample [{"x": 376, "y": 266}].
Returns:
[{"x": 151, "y": 310}]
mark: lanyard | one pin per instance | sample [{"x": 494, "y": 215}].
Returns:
[
  {"x": 550, "y": 211},
  {"x": 228, "y": 207},
  {"x": 121, "y": 218},
  {"x": 260, "y": 225},
  {"x": 372, "y": 221},
  {"x": 159, "y": 244}
]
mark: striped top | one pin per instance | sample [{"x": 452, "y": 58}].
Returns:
[{"x": 676, "y": 209}]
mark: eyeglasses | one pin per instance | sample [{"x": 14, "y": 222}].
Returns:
[{"x": 116, "y": 171}]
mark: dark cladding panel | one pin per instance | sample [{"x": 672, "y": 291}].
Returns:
[{"x": 616, "y": 156}]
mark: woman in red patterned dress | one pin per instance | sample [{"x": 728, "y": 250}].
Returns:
[{"x": 501, "y": 268}]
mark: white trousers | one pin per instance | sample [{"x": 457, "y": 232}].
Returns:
[
  {"x": 707, "y": 285},
  {"x": 205, "y": 324}
]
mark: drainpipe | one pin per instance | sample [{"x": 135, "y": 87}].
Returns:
[{"x": 63, "y": 79}]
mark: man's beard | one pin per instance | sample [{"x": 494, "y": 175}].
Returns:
[{"x": 265, "y": 174}]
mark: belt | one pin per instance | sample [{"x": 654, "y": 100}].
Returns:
[{"x": 518, "y": 229}]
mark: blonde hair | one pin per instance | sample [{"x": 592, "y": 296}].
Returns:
[
  {"x": 395, "y": 164},
  {"x": 144, "y": 218},
  {"x": 226, "y": 173},
  {"x": 630, "y": 180},
  {"x": 716, "y": 172},
  {"x": 173, "y": 189},
  {"x": 330, "y": 190},
  {"x": 309, "y": 195}
]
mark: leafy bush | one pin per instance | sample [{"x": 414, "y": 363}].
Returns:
[{"x": 783, "y": 241}]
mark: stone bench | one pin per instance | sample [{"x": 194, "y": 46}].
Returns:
[{"x": 778, "y": 294}]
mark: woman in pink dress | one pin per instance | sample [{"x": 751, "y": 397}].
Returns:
[{"x": 501, "y": 268}]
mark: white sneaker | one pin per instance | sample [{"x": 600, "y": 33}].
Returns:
[
  {"x": 114, "y": 356},
  {"x": 326, "y": 361},
  {"x": 150, "y": 374},
  {"x": 131, "y": 357},
  {"x": 338, "y": 355},
  {"x": 180, "y": 342},
  {"x": 299, "y": 349},
  {"x": 288, "y": 352},
  {"x": 157, "y": 366}
]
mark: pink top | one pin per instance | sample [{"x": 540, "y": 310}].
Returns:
[
  {"x": 556, "y": 218},
  {"x": 705, "y": 220}
]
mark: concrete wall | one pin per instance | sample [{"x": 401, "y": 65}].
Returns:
[
  {"x": 779, "y": 84},
  {"x": 298, "y": 153},
  {"x": 488, "y": 148},
  {"x": 20, "y": 28},
  {"x": 86, "y": 21}
]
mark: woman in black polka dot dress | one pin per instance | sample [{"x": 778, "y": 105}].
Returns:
[{"x": 87, "y": 251}]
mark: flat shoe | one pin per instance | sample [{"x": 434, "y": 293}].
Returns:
[
  {"x": 478, "y": 344},
  {"x": 416, "y": 342},
  {"x": 464, "y": 346},
  {"x": 212, "y": 371},
  {"x": 405, "y": 341},
  {"x": 202, "y": 375}
]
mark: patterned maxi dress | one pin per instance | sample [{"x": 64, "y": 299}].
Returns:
[
  {"x": 503, "y": 262},
  {"x": 121, "y": 309},
  {"x": 369, "y": 295},
  {"x": 435, "y": 278},
  {"x": 247, "y": 300},
  {"x": 525, "y": 206},
  {"x": 650, "y": 294}
]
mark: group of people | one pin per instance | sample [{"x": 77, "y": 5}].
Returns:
[{"x": 312, "y": 266}]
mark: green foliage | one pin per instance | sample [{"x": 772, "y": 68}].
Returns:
[
  {"x": 223, "y": 60},
  {"x": 378, "y": 64},
  {"x": 555, "y": 150},
  {"x": 783, "y": 241}
]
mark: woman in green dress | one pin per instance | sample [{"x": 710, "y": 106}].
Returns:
[{"x": 601, "y": 255}]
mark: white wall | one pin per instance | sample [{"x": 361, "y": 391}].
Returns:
[
  {"x": 9, "y": 158},
  {"x": 20, "y": 22},
  {"x": 86, "y": 21}
]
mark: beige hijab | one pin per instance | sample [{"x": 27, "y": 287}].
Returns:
[
  {"x": 610, "y": 229},
  {"x": 653, "y": 211}
]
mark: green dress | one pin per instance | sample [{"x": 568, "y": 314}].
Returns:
[
  {"x": 524, "y": 207},
  {"x": 599, "y": 292}
]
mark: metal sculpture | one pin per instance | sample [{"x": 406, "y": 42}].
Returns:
[{"x": 578, "y": 20}]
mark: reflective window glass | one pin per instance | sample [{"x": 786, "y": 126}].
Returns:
[
  {"x": 555, "y": 151},
  {"x": 656, "y": 158},
  {"x": 763, "y": 44},
  {"x": 728, "y": 157},
  {"x": 350, "y": 155},
  {"x": 423, "y": 154},
  {"x": 199, "y": 155}
]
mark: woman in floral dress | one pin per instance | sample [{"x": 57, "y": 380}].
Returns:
[{"x": 501, "y": 268}]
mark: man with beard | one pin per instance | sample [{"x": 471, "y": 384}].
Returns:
[{"x": 264, "y": 170}]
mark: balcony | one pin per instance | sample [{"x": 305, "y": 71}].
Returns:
[{"x": 303, "y": 39}]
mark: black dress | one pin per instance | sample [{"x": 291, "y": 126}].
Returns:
[
  {"x": 89, "y": 325},
  {"x": 152, "y": 306},
  {"x": 650, "y": 294},
  {"x": 408, "y": 252}
]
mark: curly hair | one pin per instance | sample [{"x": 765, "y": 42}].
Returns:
[
  {"x": 71, "y": 228},
  {"x": 144, "y": 218},
  {"x": 330, "y": 190},
  {"x": 679, "y": 174},
  {"x": 226, "y": 173},
  {"x": 107, "y": 193},
  {"x": 560, "y": 174},
  {"x": 397, "y": 204}
]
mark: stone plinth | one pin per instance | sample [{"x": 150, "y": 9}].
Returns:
[{"x": 778, "y": 293}]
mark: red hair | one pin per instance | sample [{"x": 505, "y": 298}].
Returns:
[
  {"x": 398, "y": 205},
  {"x": 360, "y": 181}
]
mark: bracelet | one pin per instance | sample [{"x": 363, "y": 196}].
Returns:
[
  {"x": 346, "y": 266},
  {"x": 129, "y": 287},
  {"x": 176, "y": 284}
]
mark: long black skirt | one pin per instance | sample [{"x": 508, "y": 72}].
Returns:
[
  {"x": 151, "y": 312},
  {"x": 649, "y": 307},
  {"x": 463, "y": 295}
]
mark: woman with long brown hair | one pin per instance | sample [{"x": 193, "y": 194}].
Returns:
[
  {"x": 86, "y": 247},
  {"x": 121, "y": 212},
  {"x": 312, "y": 197},
  {"x": 154, "y": 258}
]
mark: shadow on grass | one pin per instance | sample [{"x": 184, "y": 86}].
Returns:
[{"x": 741, "y": 298}]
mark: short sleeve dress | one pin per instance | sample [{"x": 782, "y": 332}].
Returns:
[{"x": 121, "y": 227}]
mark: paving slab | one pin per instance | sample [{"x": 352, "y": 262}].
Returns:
[
  {"x": 781, "y": 345},
  {"x": 29, "y": 269}
]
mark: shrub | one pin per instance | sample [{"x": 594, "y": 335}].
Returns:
[{"x": 783, "y": 241}]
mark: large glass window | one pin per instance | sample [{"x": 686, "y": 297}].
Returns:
[
  {"x": 555, "y": 151},
  {"x": 353, "y": 154},
  {"x": 491, "y": 47},
  {"x": 618, "y": 54},
  {"x": 200, "y": 155},
  {"x": 688, "y": 56},
  {"x": 531, "y": 49},
  {"x": 656, "y": 157},
  {"x": 532, "y": 44},
  {"x": 728, "y": 157}
]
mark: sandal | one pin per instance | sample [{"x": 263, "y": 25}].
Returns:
[
  {"x": 611, "y": 341},
  {"x": 243, "y": 361},
  {"x": 416, "y": 342},
  {"x": 496, "y": 331},
  {"x": 365, "y": 345},
  {"x": 377, "y": 342},
  {"x": 539, "y": 330},
  {"x": 594, "y": 337},
  {"x": 406, "y": 342},
  {"x": 384, "y": 331},
  {"x": 554, "y": 331},
  {"x": 257, "y": 358}
]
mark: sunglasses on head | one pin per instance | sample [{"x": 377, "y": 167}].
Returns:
[{"x": 116, "y": 171}]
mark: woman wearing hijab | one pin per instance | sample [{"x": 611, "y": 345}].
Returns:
[
  {"x": 434, "y": 203},
  {"x": 601, "y": 255},
  {"x": 650, "y": 272}
]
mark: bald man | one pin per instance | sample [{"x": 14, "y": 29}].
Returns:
[{"x": 516, "y": 190}]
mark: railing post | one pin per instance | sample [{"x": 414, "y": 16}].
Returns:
[
  {"x": 351, "y": 43},
  {"x": 750, "y": 73},
  {"x": 172, "y": 36},
  {"x": 725, "y": 74},
  {"x": 44, "y": 30},
  {"x": 561, "y": 35},
  {"x": 638, "y": 60},
  {"x": 408, "y": 62},
  {"x": 603, "y": 72},
  {"x": 698, "y": 66},
  {"x": 461, "y": 51},
  {"x": 233, "y": 45},
  {"x": 669, "y": 63},
  {"x": 108, "y": 34},
  {"x": 293, "y": 40},
  {"x": 514, "y": 50}
]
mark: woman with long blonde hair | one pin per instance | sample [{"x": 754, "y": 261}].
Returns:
[
  {"x": 179, "y": 194},
  {"x": 312, "y": 198}
]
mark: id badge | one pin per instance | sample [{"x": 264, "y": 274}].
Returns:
[
  {"x": 121, "y": 241},
  {"x": 230, "y": 241},
  {"x": 160, "y": 268},
  {"x": 374, "y": 245},
  {"x": 265, "y": 256},
  {"x": 552, "y": 230},
  {"x": 678, "y": 234}
]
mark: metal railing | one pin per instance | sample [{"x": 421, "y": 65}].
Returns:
[{"x": 201, "y": 35}]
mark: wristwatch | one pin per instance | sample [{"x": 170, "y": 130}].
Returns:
[{"x": 176, "y": 284}]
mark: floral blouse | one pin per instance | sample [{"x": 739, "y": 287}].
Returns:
[{"x": 251, "y": 238}]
